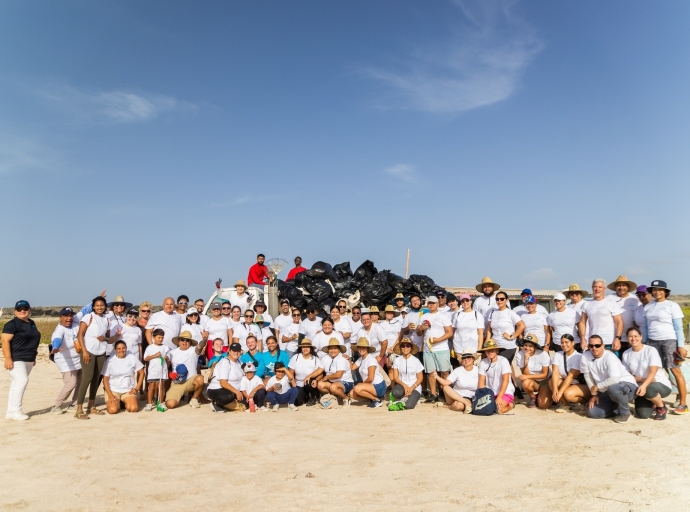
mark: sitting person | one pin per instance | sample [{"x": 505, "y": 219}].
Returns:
[
  {"x": 252, "y": 355},
  {"x": 566, "y": 384},
  {"x": 407, "y": 374},
  {"x": 188, "y": 357},
  {"x": 535, "y": 365},
  {"x": 225, "y": 381},
  {"x": 611, "y": 385},
  {"x": 123, "y": 377},
  {"x": 373, "y": 386},
  {"x": 306, "y": 368},
  {"x": 280, "y": 389},
  {"x": 156, "y": 355},
  {"x": 252, "y": 387},
  {"x": 338, "y": 379},
  {"x": 460, "y": 386},
  {"x": 495, "y": 373},
  {"x": 644, "y": 363}
]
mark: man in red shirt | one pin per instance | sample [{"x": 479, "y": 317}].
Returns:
[
  {"x": 258, "y": 273},
  {"x": 298, "y": 268}
]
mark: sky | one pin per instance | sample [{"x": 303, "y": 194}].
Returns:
[{"x": 150, "y": 148}]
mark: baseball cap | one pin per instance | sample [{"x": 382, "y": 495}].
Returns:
[
  {"x": 559, "y": 296},
  {"x": 441, "y": 293},
  {"x": 192, "y": 311},
  {"x": 642, "y": 289},
  {"x": 181, "y": 374},
  {"x": 285, "y": 301},
  {"x": 432, "y": 298},
  {"x": 235, "y": 347},
  {"x": 530, "y": 300},
  {"x": 365, "y": 311},
  {"x": 65, "y": 311},
  {"x": 216, "y": 305},
  {"x": 22, "y": 304},
  {"x": 465, "y": 296},
  {"x": 133, "y": 311},
  {"x": 526, "y": 291},
  {"x": 249, "y": 367}
]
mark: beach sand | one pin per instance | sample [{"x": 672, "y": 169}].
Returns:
[{"x": 343, "y": 459}]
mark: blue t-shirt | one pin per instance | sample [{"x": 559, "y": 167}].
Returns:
[
  {"x": 260, "y": 362},
  {"x": 270, "y": 361}
]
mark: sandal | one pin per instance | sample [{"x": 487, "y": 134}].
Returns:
[
  {"x": 95, "y": 411},
  {"x": 81, "y": 415}
]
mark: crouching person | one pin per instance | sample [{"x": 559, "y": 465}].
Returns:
[
  {"x": 225, "y": 381},
  {"x": 280, "y": 389},
  {"x": 185, "y": 357},
  {"x": 123, "y": 376},
  {"x": 252, "y": 387}
]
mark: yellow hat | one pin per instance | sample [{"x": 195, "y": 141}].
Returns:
[
  {"x": 575, "y": 288},
  {"x": 487, "y": 280},
  {"x": 623, "y": 279},
  {"x": 333, "y": 342}
]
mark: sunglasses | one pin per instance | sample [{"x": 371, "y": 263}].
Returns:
[
  {"x": 186, "y": 339},
  {"x": 467, "y": 357},
  {"x": 465, "y": 300},
  {"x": 226, "y": 309},
  {"x": 145, "y": 311},
  {"x": 596, "y": 346},
  {"x": 193, "y": 314},
  {"x": 248, "y": 316},
  {"x": 296, "y": 315},
  {"x": 22, "y": 309},
  {"x": 406, "y": 345},
  {"x": 183, "y": 303},
  {"x": 341, "y": 307},
  {"x": 500, "y": 299}
]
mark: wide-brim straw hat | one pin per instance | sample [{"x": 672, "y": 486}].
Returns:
[
  {"x": 399, "y": 296},
  {"x": 364, "y": 343},
  {"x": 624, "y": 280},
  {"x": 397, "y": 350},
  {"x": 391, "y": 309},
  {"x": 184, "y": 334},
  {"x": 374, "y": 310},
  {"x": 240, "y": 283},
  {"x": 468, "y": 353},
  {"x": 333, "y": 342},
  {"x": 490, "y": 345},
  {"x": 487, "y": 280},
  {"x": 120, "y": 300},
  {"x": 306, "y": 342},
  {"x": 575, "y": 288}
]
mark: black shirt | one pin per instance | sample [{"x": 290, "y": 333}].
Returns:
[{"x": 24, "y": 344}]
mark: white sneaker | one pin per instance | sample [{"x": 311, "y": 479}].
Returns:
[
  {"x": 276, "y": 407},
  {"x": 148, "y": 408},
  {"x": 194, "y": 403},
  {"x": 72, "y": 408},
  {"x": 16, "y": 416},
  {"x": 292, "y": 407},
  {"x": 347, "y": 402},
  {"x": 216, "y": 409},
  {"x": 56, "y": 410}
]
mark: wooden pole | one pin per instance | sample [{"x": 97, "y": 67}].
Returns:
[{"x": 407, "y": 265}]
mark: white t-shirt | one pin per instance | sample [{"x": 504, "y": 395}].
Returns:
[
  {"x": 600, "y": 315},
  {"x": 392, "y": 329},
  {"x": 186, "y": 357},
  {"x": 659, "y": 317},
  {"x": 332, "y": 366},
  {"x": 66, "y": 358},
  {"x": 282, "y": 321},
  {"x": 310, "y": 327},
  {"x": 247, "y": 385},
  {"x": 343, "y": 326},
  {"x": 289, "y": 330},
  {"x": 522, "y": 310},
  {"x": 228, "y": 370},
  {"x": 638, "y": 363},
  {"x": 376, "y": 335},
  {"x": 194, "y": 330},
  {"x": 243, "y": 331},
  {"x": 203, "y": 320},
  {"x": 536, "y": 363},
  {"x": 356, "y": 326},
  {"x": 303, "y": 368},
  {"x": 573, "y": 362},
  {"x": 464, "y": 382},
  {"x": 98, "y": 327},
  {"x": 236, "y": 300},
  {"x": 218, "y": 329},
  {"x": 494, "y": 374},
  {"x": 363, "y": 366},
  {"x": 439, "y": 321},
  {"x": 115, "y": 325},
  {"x": 502, "y": 322},
  {"x": 605, "y": 367},
  {"x": 484, "y": 304},
  {"x": 170, "y": 325},
  {"x": 628, "y": 305},
  {"x": 563, "y": 322},
  {"x": 155, "y": 370},
  {"x": 321, "y": 340},
  {"x": 414, "y": 317},
  {"x": 466, "y": 335},
  {"x": 408, "y": 370},
  {"x": 131, "y": 335},
  {"x": 265, "y": 333},
  {"x": 534, "y": 324},
  {"x": 284, "y": 384},
  {"x": 122, "y": 372},
  {"x": 266, "y": 316}
]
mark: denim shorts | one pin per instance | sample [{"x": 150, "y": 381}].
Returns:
[
  {"x": 348, "y": 386},
  {"x": 380, "y": 388}
]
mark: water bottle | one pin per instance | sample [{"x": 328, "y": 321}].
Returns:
[{"x": 252, "y": 407}]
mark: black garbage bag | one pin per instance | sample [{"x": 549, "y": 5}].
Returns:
[
  {"x": 299, "y": 303},
  {"x": 346, "y": 283},
  {"x": 319, "y": 290},
  {"x": 322, "y": 270},
  {"x": 309, "y": 302},
  {"x": 290, "y": 293},
  {"x": 365, "y": 270},
  {"x": 327, "y": 305},
  {"x": 343, "y": 270},
  {"x": 398, "y": 283},
  {"x": 376, "y": 292},
  {"x": 422, "y": 284},
  {"x": 301, "y": 279}
]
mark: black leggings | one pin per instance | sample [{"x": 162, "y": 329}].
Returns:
[
  {"x": 399, "y": 392},
  {"x": 90, "y": 376},
  {"x": 221, "y": 396},
  {"x": 305, "y": 393},
  {"x": 643, "y": 406}
]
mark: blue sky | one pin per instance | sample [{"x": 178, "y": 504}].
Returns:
[{"x": 152, "y": 147}]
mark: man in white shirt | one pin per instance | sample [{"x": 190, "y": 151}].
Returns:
[
  {"x": 486, "y": 302},
  {"x": 522, "y": 309},
  {"x": 182, "y": 305},
  {"x": 203, "y": 319},
  {"x": 436, "y": 329},
  {"x": 283, "y": 319},
  {"x": 611, "y": 385},
  {"x": 311, "y": 325},
  {"x": 376, "y": 336},
  {"x": 601, "y": 317},
  {"x": 625, "y": 302},
  {"x": 167, "y": 320},
  {"x": 400, "y": 304}
]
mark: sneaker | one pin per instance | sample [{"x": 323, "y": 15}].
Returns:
[
  {"x": 347, "y": 402},
  {"x": 467, "y": 409},
  {"x": 16, "y": 416},
  {"x": 532, "y": 402},
  {"x": 194, "y": 403},
  {"x": 681, "y": 409},
  {"x": 621, "y": 418},
  {"x": 431, "y": 399},
  {"x": 375, "y": 404},
  {"x": 519, "y": 394},
  {"x": 214, "y": 408},
  {"x": 148, "y": 408},
  {"x": 311, "y": 402},
  {"x": 660, "y": 413},
  {"x": 560, "y": 409},
  {"x": 72, "y": 408},
  {"x": 292, "y": 407},
  {"x": 56, "y": 410}
]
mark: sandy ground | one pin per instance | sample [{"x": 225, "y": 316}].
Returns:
[{"x": 344, "y": 459}]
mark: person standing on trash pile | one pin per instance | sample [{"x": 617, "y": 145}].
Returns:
[
  {"x": 258, "y": 274},
  {"x": 296, "y": 270},
  {"x": 239, "y": 297}
]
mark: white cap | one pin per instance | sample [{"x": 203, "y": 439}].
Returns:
[
  {"x": 191, "y": 311},
  {"x": 364, "y": 311},
  {"x": 432, "y": 298},
  {"x": 559, "y": 296}
]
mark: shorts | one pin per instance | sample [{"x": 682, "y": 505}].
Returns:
[
  {"x": 666, "y": 348},
  {"x": 348, "y": 386},
  {"x": 380, "y": 389},
  {"x": 177, "y": 391},
  {"x": 437, "y": 361},
  {"x": 155, "y": 381},
  {"x": 121, "y": 396},
  {"x": 508, "y": 399}
]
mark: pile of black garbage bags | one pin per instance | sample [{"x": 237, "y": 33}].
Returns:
[{"x": 323, "y": 285}]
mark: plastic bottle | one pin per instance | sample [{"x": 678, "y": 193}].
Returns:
[{"x": 252, "y": 407}]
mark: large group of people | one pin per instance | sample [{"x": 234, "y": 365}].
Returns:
[{"x": 470, "y": 354}]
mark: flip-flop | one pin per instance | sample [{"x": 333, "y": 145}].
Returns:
[
  {"x": 81, "y": 415},
  {"x": 95, "y": 411}
]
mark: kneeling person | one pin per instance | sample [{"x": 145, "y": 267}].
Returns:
[{"x": 123, "y": 376}]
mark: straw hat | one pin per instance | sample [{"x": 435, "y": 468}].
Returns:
[
  {"x": 397, "y": 350},
  {"x": 333, "y": 342},
  {"x": 306, "y": 342},
  {"x": 469, "y": 353},
  {"x": 240, "y": 283},
  {"x": 623, "y": 279},
  {"x": 120, "y": 300},
  {"x": 399, "y": 296},
  {"x": 487, "y": 280},
  {"x": 575, "y": 288},
  {"x": 374, "y": 309},
  {"x": 531, "y": 338},
  {"x": 364, "y": 343},
  {"x": 259, "y": 320},
  {"x": 184, "y": 334},
  {"x": 391, "y": 309},
  {"x": 490, "y": 345}
]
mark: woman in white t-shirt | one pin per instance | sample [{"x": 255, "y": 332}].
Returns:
[
  {"x": 644, "y": 363},
  {"x": 327, "y": 332},
  {"x": 504, "y": 326},
  {"x": 468, "y": 328},
  {"x": 305, "y": 367},
  {"x": 224, "y": 384},
  {"x": 373, "y": 386},
  {"x": 289, "y": 335},
  {"x": 536, "y": 323},
  {"x": 407, "y": 374},
  {"x": 338, "y": 376},
  {"x": 535, "y": 365},
  {"x": 342, "y": 325},
  {"x": 460, "y": 386},
  {"x": 130, "y": 333},
  {"x": 123, "y": 377},
  {"x": 495, "y": 373},
  {"x": 193, "y": 325},
  {"x": 218, "y": 326},
  {"x": 562, "y": 321},
  {"x": 566, "y": 384}
]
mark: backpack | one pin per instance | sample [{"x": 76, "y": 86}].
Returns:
[
  {"x": 328, "y": 401},
  {"x": 484, "y": 402}
]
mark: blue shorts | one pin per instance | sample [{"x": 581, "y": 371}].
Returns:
[
  {"x": 380, "y": 388},
  {"x": 348, "y": 386}
]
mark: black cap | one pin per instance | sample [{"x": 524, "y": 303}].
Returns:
[
  {"x": 133, "y": 311},
  {"x": 451, "y": 297},
  {"x": 260, "y": 303},
  {"x": 22, "y": 304},
  {"x": 285, "y": 301},
  {"x": 441, "y": 293},
  {"x": 63, "y": 311},
  {"x": 235, "y": 347}
]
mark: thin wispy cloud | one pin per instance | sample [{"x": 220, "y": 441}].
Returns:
[
  {"x": 541, "y": 274},
  {"x": 402, "y": 172},
  {"x": 18, "y": 155},
  {"x": 479, "y": 64}
]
